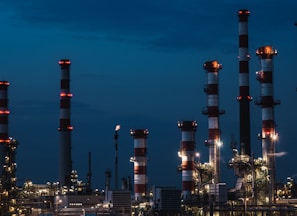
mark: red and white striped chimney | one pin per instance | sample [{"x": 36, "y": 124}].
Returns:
[
  {"x": 267, "y": 102},
  {"x": 4, "y": 112},
  {"x": 65, "y": 126},
  {"x": 212, "y": 90},
  {"x": 244, "y": 98},
  {"x": 187, "y": 154},
  {"x": 140, "y": 162}
]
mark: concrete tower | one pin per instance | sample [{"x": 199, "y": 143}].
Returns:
[
  {"x": 65, "y": 128},
  {"x": 244, "y": 98},
  {"x": 140, "y": 162},
  {"x": 212, "y": 90},
  {"x": 265, "y": 77},
  {"x": 187, "y": 154},
  {"x": 4, "y": 112}
]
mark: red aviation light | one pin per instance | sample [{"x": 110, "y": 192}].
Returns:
[
  {"x": 4, "y": 83},
  {"x": 246, "y": 12},
  {"x": 5, "y": 141},
  {"x": 4, "y": 112},
  {"x": 70, "y": 128},
  {"x": 66, "y": 95},
  {"x": 63, "y": 62}
]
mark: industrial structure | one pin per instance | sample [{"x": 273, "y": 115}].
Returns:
[
  {"x": 202, "y": 192},
  {"x": 267, "y": 102},
  {"x": 140, "y": 163},
  {"x": 65, "y": 126},
  {"x": 4, "y": 113},
  {"x": 187, "y": 154},
  {"x": 212, "y": 111},
  {"x": 244, "y": 97},
  {"x": 242, "y": 162}
]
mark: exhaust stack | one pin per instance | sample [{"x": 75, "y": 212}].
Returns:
[
  {"x": 4, "y": 113},
  {"x": 267, "y": 102},
  {"x": 140, "y": 162},
  {"x": 212, "y": 90},
  {"x": 65, "y": 126},
  {"x": 187, "y": 154},
  {"x": 244, "y": 98}
]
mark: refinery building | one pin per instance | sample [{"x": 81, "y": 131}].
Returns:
[{"x": 201, "y": 190}]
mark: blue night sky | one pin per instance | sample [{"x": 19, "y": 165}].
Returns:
[{"x": 139, "y": 64}]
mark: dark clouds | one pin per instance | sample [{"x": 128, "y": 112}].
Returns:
[
  {"x": 172, "y": 25},
  {"x": 137, "y": 63}
]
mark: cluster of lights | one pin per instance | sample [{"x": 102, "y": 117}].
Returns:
[
  {"x": 243, "y": 12},
  {"x": 212, "y": 65},
  {"x": 62, "y": 62},
  {"x": 266, "y": 50}
]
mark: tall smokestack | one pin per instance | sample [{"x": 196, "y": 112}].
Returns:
[
  {"x": 244, "y": 98},
  {"x": 187, "y": 154},
  {"x": 4, "y": 112},
  {"x": 65, "y": 126},
  {"x": 140, "y": 162},
  {"x": 265, "y": 77},
  {"x": 212, "y": 90}
]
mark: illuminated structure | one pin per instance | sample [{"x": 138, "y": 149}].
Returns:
[
  {"x": 187, "y": 154},
  {"x": 242, "y": 161},
  {"x": 268, "y": 136},
  {"x": 140, "y": 162},
  {"x": 4, "y": 112},
  {"x": 116, "y": 138},
  {"x": 65, "y": 126},
  {"x": 244, "y": 98},
  {"x": 212, "y": 90}
]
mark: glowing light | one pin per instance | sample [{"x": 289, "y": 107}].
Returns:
[
  {"x": 62, "y": 62},
  {"x": 274, "y": 136},
  {"x": 69, "y": 128},
  {"x": 219, "y": 143},
  {"x": 4, "y": 83},
  {"x": 117, "y": 128},
  {"x": 6, "y": 112},
  {"x": 65, "y": 94},
  {"x": 266, "y": 50},
  {"x": 5, "y": 141}
]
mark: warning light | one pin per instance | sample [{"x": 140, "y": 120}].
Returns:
[
  {"x": 66, "y": 95},
  {"x": 64, "y": 62},
  {"x": 4, "y": 112}
]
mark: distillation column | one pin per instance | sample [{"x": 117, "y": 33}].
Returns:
[
  {"x": 265, "y": 77},
  {"x": 212, "y": 90},
  {"x": 244, "y": 98},
  {"x": 4, "y": 112},
  {"x": 187, "y": 154},
  {"x": 140, "y": 162},
  {"x": 65, "y": 128}
]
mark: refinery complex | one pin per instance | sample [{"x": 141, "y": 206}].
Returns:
[{"x": 201, "y": 190}]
